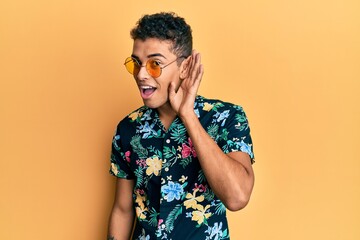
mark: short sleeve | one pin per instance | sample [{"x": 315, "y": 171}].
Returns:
[
  {"x": 120, "y": 159},
  {"x": 235, "y": 132}
]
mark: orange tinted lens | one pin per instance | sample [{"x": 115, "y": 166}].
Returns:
[
  {"x": 132, "y": 66},
  {"x": 153, "y": 68}
]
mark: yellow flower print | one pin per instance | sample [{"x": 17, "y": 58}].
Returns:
[
  {"x": 114, "y": 168},
  {"x": 183, "y": 179},
  {"x": 192, "y": 201},
  {"x": 200, "y": 215},
  {"x": 141, "y": 209},
  {"x": 154, "y": 166},
  {"x": 135, "y": 115},
  {"x": 140, "y": 212},
  {"x": 207, "y": 107},
  {"x": 140, "y": 200}
]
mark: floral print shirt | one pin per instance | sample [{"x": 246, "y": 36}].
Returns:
[{"x": 172, "y": 197}]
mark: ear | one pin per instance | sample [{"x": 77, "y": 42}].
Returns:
[{"x": 184, "y": 68}]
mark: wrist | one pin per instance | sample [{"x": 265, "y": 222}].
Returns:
[{"x": 188, "y": 117}]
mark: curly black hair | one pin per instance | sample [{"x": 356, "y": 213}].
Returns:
[{"x": 165, "y": 26}]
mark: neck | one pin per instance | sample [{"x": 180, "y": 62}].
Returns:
[{"x": 166, "y": 115}]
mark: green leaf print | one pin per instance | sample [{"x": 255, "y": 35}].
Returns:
[
  {"x": 169, "y": 223},
  {"x": 185, "y": 161},
  {"x": 137, "y": 147},
  {"x": 139, "y": 177},
  {"x": 170, "y": 156},
  {"x": 213, "y": 130},
  {"x": 201, "y": 176},
  {"x": 209, "y": 195},
  {"x": 153, "y": 217},
  {"x": 220, "y": 208},
  {"x": 155, "y": 151},
  {"x": 178, "y": 133},
  {"x": 225, "y": 234},
  {"x": 217, "y": 105},
  {"x": 224, "y": 135},
  {"x": 240, "y": 118}
]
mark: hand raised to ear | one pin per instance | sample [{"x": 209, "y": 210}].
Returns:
[{"x": 182, "y": 100}]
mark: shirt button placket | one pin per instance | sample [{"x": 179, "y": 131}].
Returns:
[{"x": 164, "y": 173}]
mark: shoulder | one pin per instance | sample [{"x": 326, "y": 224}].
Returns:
[
  {"x": 136, "y": 115},
  {"x": 216, "y": 105},
  {"x": 134, "y": 118}
]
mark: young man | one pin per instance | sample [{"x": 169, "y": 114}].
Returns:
[{"x": 181, "y": 159}]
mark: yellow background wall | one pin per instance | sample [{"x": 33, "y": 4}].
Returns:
[{"x": 293, "y": 65}]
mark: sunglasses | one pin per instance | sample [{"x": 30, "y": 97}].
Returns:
[{"x": 152, "y": 66}]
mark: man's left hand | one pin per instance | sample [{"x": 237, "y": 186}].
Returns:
[{"x": 182, "y": 100}]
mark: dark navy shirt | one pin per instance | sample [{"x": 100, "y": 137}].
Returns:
[{"x": 172, "y": 197}]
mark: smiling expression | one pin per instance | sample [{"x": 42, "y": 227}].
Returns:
[{"x": 154, "y": 91}]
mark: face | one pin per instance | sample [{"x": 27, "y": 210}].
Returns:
[{"x": 154, "y": 91}]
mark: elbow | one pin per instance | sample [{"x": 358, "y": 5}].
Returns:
[
  {"x": 239, "y": 196},
  {"x": 236, "y": 204},
  {"x": 238, "y": 200}
]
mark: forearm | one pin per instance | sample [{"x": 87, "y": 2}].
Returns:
[
  {"x": 120, "y": 225},
  {"x": 227, "y": 177}
]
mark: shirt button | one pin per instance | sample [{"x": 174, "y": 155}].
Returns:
[{"x": 167, "y": 140}]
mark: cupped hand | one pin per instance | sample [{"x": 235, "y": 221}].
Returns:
[{"x": 182, "y": 100}]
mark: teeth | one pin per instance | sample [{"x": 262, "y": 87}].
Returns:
[{"x": 146, "y": 87}]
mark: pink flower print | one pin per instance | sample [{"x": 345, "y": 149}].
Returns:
[
  {"x": 160, "y": 222},
  {"x": 141, "y": 162},
  {"x": 200, "y": 187},
  {"x": 188, "y": 150},
  {"x": 140, "y": 191},
  {"x": 127, "y": 156}
]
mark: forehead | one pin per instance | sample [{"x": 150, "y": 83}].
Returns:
[{"x": 152, "y": 46}]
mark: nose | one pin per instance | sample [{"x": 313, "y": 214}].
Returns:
[{"x": 142, "y": 73}]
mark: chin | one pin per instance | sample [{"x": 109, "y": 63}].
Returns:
[
  {"x": 150, "y": 104},
  {"x": 153, "y": 104}
]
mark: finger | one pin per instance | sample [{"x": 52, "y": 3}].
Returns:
[
  {"x": 196, "y": 66},
  {"x": 198, "y": 78},
  {"x": 189, "y": 66},
  {"x": 191, "y": 69},
  {"x": 200, "y": 72},
  {"x": 197, "y": 70}
]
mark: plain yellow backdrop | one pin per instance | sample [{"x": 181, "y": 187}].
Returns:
[{"x": 293, "y": 65}]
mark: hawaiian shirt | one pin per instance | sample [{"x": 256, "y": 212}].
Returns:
[{"x": 172, "y": 197}]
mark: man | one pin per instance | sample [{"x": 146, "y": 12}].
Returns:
[{"x": 181, "y": 159}]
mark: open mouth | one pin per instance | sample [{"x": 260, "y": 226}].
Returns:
[{"x": 147, "y": 91}]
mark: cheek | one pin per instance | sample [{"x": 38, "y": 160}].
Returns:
[{"x": 165, "y": 81}]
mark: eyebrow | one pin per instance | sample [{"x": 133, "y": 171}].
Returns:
[{"x": 149, "y": 56}]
